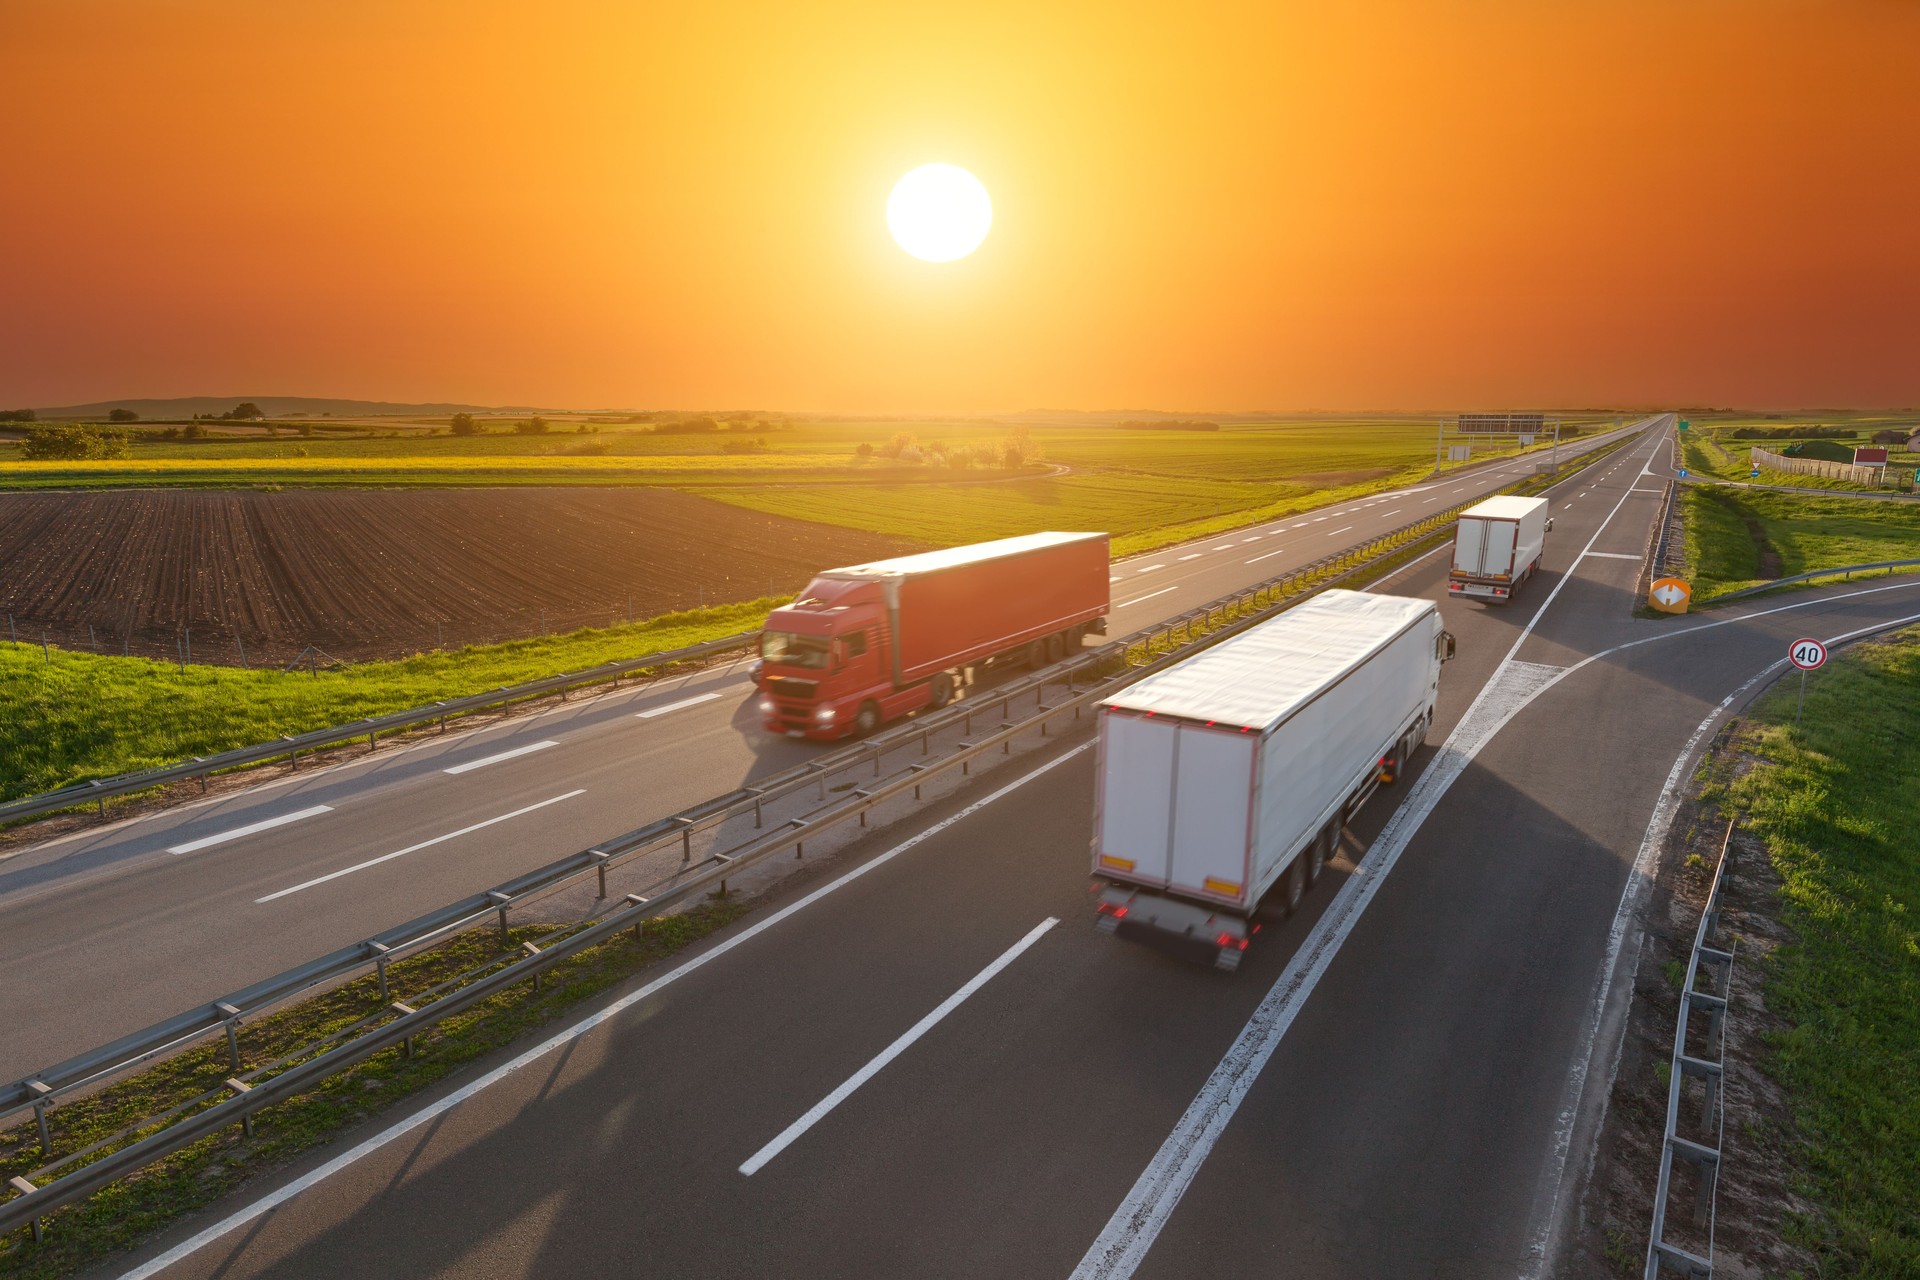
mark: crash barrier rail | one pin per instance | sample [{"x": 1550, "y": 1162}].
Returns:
[
  {"x": 397, "y": 1022},
  {"x": 1657, "y": 563},
  {"x": 1708, "y": 1067},
  {"x": 102, "y": 789},
  {"x": 1844, "y": 572},
  {"x": 1877, "y": 477}
]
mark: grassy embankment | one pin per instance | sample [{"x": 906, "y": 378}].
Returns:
[
  {"x": 1835, "y": 801},
  {"x": 1746, "y": 537},
  {"x": 118, "y": 1218},
  {"x": 80, "y": 716}
]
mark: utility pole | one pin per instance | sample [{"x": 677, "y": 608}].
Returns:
[{"x": 1439, "y": 443}]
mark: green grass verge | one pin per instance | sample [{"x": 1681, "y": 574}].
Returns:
[
  {"x": 1727, "y": 532},
  {"x": 81, "y": 715},
  {"x": 1835, "y": 801},
  {"x": 120, "y": 1217}
]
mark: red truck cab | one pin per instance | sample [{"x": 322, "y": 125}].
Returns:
[{"x": 873, "y": 642}]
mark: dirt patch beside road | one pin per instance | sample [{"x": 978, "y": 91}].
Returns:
[{"x": 380, "y": 573}]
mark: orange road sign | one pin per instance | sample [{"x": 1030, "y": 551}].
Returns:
[{"x": 1670, "y": 595}]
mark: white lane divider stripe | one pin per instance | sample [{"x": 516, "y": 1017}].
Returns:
[
  {"x": 1268, "y": 556},
  {"x": 496, "y": 758},
  {"x": 1334, "y": 533},
  {"x": 1195, "y": 556},
  {"x": 415, "y": 848},
  {"x": 758, "y": 1160},
  {"x": 1149, "y": 568},
  {"x": 559, "y": 1039},
  {"x": 1611, "y": 555},
  {"x": 1121, "y": 604},
  {"x": 265, "y": 824},
  {"x": 694, "y": 701}
]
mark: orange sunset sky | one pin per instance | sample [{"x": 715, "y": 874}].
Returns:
[{"x": 1368, "y": 204}]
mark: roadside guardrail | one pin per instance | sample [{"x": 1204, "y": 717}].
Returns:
[
  {"x": 1702, "y": 1151},
  {"x": 102, "y": 789},
  {"x": 1844, "y": 572},
  {"x": 396, "y": 1022}
]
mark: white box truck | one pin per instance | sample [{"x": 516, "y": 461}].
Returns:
[
  {"x": 1497, "y": 547},
  {"x": 1231, "y": 774}
]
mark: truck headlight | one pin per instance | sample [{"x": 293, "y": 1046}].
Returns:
[
  {"x": 824, "y": 715},
  {"x": 766, "y": 707}
]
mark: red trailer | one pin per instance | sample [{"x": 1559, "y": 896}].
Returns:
[{"x": 866, "y": 644}]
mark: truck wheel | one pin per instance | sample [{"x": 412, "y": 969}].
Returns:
[
  {"x": 1315, "y": 857},
  {"x": 1037, "y": 655},
  {"x": 1056, "y": 648},
  {"x": 940, "y": 689},
  {"x": 1296, "y": 885},
  {"x": 866, "y": 720}
]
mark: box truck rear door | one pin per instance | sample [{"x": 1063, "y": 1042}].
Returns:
[
  {"x": 1469, "y": 545},
  {"x": 1501, "y": 536},
  {"x": 1212, "y": 806},
  {"x": 1136, "y": 796}
]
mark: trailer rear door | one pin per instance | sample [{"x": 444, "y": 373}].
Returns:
[
  {"x": 1212, "y": 810},
  {"x": 1136, "y": 796},
  {"x": 1501, "y": 536},
  {"x": 1469, "y": 545}
]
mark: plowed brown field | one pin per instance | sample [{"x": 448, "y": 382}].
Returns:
[{"x": 368, "y": 574}]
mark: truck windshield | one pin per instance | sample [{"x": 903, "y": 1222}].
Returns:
[{"x": 786, "y": 649}]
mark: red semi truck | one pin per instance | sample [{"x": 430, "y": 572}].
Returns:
[{"x": 863, "y": 645}]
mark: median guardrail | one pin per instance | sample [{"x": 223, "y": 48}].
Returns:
[
  {"x": 395, "y": 1022},
  {"x": 1703, "y": 1149},
  {"x": 99, "y": 791}
]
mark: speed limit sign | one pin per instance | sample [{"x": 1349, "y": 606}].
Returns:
[{"x": 1807, "y": 654}]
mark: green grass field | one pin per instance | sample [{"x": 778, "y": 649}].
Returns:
[
  {"x": 1745, "y": 537},
  {"x": 1835, "y": 801},
  {"x": 82, "y": 716}
]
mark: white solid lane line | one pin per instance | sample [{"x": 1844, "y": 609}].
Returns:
[
  {"x": 758, "y": 1160},
  {"x": 1612, "y": 555},
  {"x": 265, "y": 824},
  {"x": 1121, "y": 604},
  {"x": 484, "y": 761},
  {"x": 415, "y": 848},
  {"x": 694, "y": 701}
]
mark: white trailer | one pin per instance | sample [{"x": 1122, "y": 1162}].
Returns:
[
  {"x": 1233, "y": 772},
  {"x": 1497, "y": 547}
]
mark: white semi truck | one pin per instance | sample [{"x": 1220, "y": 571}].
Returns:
[
  {"x": 1231, "y": 774},
  {"x": 1497, "y": 547}
]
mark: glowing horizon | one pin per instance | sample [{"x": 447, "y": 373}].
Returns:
[{"x": 1370, "y": 207}]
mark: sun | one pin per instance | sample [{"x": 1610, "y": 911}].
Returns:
[{"x": 939, "y": 212}]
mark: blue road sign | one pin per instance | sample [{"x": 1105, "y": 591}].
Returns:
[{"x": 1683, "y": 473}]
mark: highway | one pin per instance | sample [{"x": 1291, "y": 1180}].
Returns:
[
  {"x": 933, "y": 1065},
  {"x": 109, "y": 930}
]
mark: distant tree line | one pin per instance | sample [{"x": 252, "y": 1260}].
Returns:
[
  {"x": 1792, "y": 433},
  {"x": 1019, "y": 449},
  {"x": 1169, "y": 424},
  {"x": 17, "y": 415}
]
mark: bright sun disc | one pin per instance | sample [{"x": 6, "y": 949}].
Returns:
[{"x": 939, "y": 212}]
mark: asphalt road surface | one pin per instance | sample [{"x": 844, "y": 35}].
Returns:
[
  {"x": 909, "y": 1071},
  {"x": 108, "y": 931}
]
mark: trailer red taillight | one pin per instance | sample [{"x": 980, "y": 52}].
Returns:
[
  {"x": 1108, "y": 909},
  {"x": 1228, "y": 940}
]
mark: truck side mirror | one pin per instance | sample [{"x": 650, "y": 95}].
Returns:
[
  {"x": 1549, "y": 524},
  {"x": 1446, "y": 646}
]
